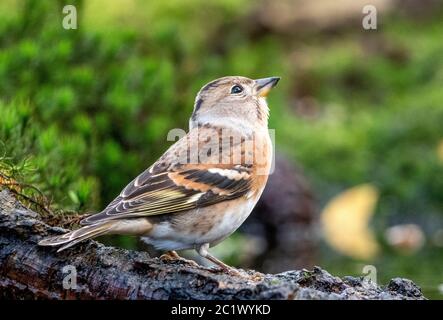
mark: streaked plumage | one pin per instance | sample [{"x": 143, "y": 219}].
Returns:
[{"x": 205, "y": 185}]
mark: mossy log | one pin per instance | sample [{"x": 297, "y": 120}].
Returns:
[{"x": 28, "y": 271}]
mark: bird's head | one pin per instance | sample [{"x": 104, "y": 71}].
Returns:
[{"x": 233, "y": 100}]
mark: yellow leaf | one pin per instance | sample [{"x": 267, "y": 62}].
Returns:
[
  {"x": 345, "y": 221},
  {"x": 440, "y": 151}
]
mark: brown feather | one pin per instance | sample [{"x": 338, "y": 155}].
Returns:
[{"x": 170, "y": 186}]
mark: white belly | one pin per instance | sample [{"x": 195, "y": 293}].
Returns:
[
  {"x": 165, "y": 237},
  {"x": 231, "y": 221}
]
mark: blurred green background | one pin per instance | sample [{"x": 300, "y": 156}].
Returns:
[{"x": 83, "y": 111}]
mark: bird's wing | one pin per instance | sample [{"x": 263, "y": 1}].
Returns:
[{"x": 171, "y": 185}]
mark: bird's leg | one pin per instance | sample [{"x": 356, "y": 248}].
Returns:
[
  {"x": 173, "y": 255},
  {"x": 203, "y": 251}
]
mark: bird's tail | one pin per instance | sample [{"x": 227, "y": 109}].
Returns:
[{"x": 73, "y": 237}]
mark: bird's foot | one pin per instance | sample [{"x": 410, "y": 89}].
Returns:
[
  {"x": 235, "y": 272},
  {"x": 256, "y": 276},
  {"x": 171, "y": 256}
]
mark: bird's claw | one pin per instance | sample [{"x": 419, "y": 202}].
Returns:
[{"x": 173, "y": 256}]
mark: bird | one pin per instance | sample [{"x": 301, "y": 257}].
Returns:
[{"x": 205, "y": 185}]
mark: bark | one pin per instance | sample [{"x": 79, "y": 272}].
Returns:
[{"x": 28, "y": 271}]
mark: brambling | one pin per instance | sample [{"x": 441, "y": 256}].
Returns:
[{"x": 205, "y": 185}]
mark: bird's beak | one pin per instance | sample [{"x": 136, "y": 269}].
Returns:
[{"x": 263, "y": 86}]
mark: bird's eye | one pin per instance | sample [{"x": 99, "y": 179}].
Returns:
[{"x": 236, "y": 89}]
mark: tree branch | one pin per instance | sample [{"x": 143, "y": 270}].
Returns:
[{"x": 28, "y": 271}]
